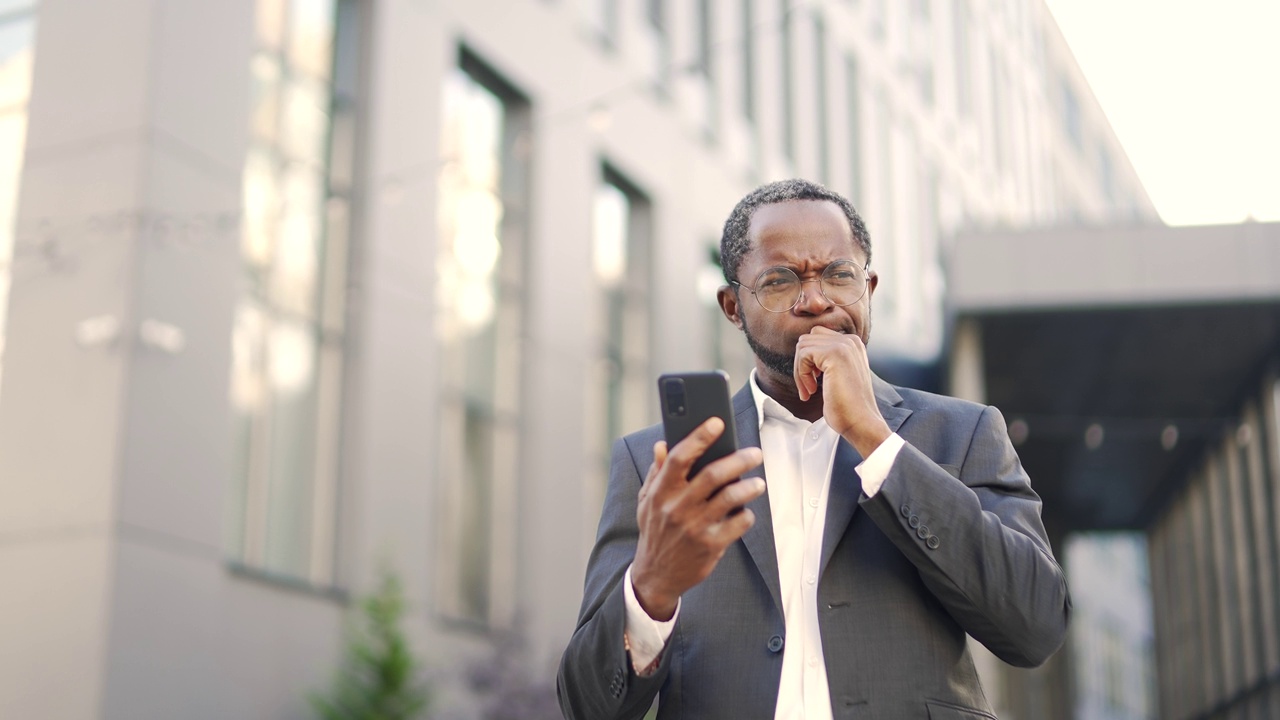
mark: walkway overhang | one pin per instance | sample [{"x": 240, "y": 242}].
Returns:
[{"x": 1116, "y": 353}]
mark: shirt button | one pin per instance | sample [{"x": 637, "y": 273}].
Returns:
[
  {"x": 813, "y": 502},
  {"x": 811, "y": 580},
  {"x": 813, "y": 662}
]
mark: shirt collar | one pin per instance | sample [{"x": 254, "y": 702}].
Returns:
[{"x": 767, "y": 407}]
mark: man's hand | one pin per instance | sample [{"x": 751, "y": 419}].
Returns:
[
  {"x": 848, "y": 399},
  {"x": 684, "y": 531}
]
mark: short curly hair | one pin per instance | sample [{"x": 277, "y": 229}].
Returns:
[{"x": 734, "y": 242}]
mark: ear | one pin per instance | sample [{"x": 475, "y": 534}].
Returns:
[
  {"x": 873, "y": 279},
  {"x": 729, "y": 305}
]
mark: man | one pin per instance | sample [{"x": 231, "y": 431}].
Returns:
[{"x": 895, "y": 521}]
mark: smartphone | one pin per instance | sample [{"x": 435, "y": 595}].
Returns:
[{"x": 690, "y": 399}]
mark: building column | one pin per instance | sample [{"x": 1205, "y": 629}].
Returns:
[{"x": 114, "y": 427}]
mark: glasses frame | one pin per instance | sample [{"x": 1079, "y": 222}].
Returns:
[{"x": 866, "y": 283}]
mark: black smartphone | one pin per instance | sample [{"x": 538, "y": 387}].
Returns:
[{"x": 690, "y": 399}]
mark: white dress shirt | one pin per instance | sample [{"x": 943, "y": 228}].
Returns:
[{"x": 798, "y": 457}]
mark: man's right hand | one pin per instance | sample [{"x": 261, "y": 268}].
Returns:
[{"x": 685, "y": 523}]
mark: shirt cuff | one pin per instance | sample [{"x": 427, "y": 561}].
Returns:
[
  {"x": 645, "y": 637},
  {"x": 875, "y": 468}
]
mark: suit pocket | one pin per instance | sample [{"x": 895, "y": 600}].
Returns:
[{"x": 939, "y": 710}]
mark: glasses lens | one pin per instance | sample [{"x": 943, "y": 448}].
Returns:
[
  {"x": 844, "y": 282},
  {"x": 777, "y": 289}
]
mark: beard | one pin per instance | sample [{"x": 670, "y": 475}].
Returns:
[{"x": 783, "y": 363}]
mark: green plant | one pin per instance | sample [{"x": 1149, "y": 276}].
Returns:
[{"x": 380, "y": 677}]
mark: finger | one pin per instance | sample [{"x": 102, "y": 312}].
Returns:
[
  {"x": 735, "y": 495},
  {"x": 733, "y": 527},
  {"x": 806, "y": 373},
  {"x": 724, "y": 471},
  {"x": 687, "y": 451},
  {"x": 659, "y": 459}
]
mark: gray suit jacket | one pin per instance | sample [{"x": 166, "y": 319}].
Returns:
[{"x": 952, "y": 544}]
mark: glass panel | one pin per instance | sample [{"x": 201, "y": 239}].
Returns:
[
  {"x": 291, "y": 360},
  {"x": 265, "y": 98},
  {"x": 294, "y": 270},
  {"x": 336, "y": 232},
  {"x": 342, "y": 150},
  {"x": 14, "y": 6},
  {"x": 248, "y": 406},
  {"x": 270, "y": 23},
  {"x": 479, "y": 328},
  {"x": 311, "y": 36},
  {"x": 13, "y": 135},
  {"x": 17, "y": 49},
  {"x": 305, "y": 124},
  {"x": 261, "y": 211},
  {"x": 609, "y": 235}
]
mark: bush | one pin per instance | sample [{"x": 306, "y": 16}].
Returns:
[{"x": 379, "y": 678}]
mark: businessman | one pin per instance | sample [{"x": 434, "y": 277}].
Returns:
[{"x": 879, "y": 524}]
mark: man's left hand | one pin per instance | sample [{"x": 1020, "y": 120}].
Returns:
[{"x": 848, "y": 399}]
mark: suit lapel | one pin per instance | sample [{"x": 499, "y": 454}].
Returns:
[
  {"x": 759, "y": 539},
  {"x": 846, "y": 486}
]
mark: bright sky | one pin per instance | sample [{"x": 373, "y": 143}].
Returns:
[{"x": 1192, "y": 89}]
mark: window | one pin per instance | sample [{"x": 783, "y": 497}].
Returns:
[
  {"x": 705, "y": 70},
  {"x": 602, "y": 19},
  {"x": 788, "y": 82},
  {"x": 622, "y": 386},
  {"x": 748, "y": 61},
  {"x": 820, "y": 79},
  {"x": 485, "y": 149},
  {"x": 1071, "y": 115},
  {"x": 17, "y": 49},
  {"x": 853, "y": 100},
  {"x": 288, "y": 333},
  {"x": 960, "y": 44},
  {"x": 656, "y": 43}
]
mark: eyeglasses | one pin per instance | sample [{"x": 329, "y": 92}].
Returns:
[{"x": 778, "y": 289}]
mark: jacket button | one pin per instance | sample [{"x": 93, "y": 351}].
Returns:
[
  {"x": 775, "y": 643},
  {"x": 933, "y": 542},
  {"x": 906, "y": 510},
  {"x": 914, "y": 521},
  {"x": 922, "y": 532}
]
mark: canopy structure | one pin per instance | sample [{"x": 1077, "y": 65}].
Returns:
[{"x": 1114, "y": 353}]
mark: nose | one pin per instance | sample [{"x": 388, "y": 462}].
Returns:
[{"x": 812, "y": 301}]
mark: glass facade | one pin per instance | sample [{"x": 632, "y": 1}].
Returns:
[
  {"x": 17, "y": 51},
  {"x": 485, "y": 147},
  {"x": 624, "y": 386},
  {"x": 288, "y": 335}
]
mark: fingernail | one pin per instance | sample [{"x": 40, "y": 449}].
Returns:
[{"x": 758, "y": 484}]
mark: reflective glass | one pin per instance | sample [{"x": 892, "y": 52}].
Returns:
[
  {"x": 295, "y": 265},
  {"x": 270, "y": 23},
  {"x": 265, "y": 97},
  {"x": 304, "y": 127},
  {"x": 311, "y": 36},
  {"x": 291, "y": 360},
  {"x": 609, "y": 234},
  {"x": 17, "y": 49},
  {"x": 261, "y": 209}
]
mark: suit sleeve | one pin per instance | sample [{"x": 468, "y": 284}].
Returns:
[
  {"x": 596, "y": 680},
  {"x": 976, "y": 537}
]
